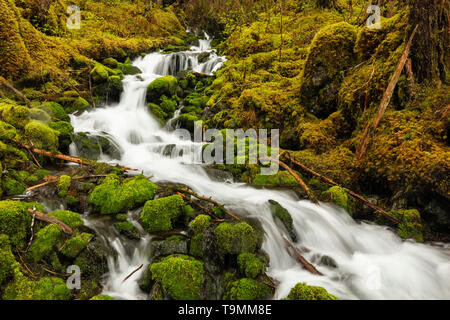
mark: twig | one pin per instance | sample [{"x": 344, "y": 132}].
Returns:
[
  {"x": 53, "y": 179},
  {"x": 199, "y": 205},
  {"x": 32, "y": 228},
  {"x": 210, "y": 201},
  {"x": 24, "y": 264},
  {"x": 136, "y": 270}
]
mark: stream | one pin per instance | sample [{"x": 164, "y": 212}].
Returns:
[{"x": 372, "y": 261}]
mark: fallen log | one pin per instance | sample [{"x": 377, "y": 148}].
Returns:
[
  {"x": 210, "y": 201},
  {"x": 296, "y": 177},
  {"x": 350, "y": 192},
  {"x": 53, "y": 179},
  {"x": 64, "y": 157},
  {"x": 45, "y": 217},
  {"x": 386, "y": 98}
]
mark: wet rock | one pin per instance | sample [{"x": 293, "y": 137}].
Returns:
[
  {"x": 92, "y": 146},
  {"x": 437, "y": 212},
  {"x": 282, "y": 215},
  {"x": 128, "y": 230},
  {"x": 328, "y": 261},
  {"x": 203, "y": 57},
  {"x": 171, "y": 245}
]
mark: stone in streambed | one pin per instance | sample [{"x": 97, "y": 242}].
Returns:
[
  {"x": 281, "y": 214},
  {"x": 161, "y": 214}
]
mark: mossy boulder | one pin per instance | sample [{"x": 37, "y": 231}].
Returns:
[
  {"x": 280, "y": 179},
  {"x": 341, "y": 198},
  {"x": 127, "y": 229},
  {"x": 282, "y": 215},
  {"x": 410, "y": 226},
  {"x": 42, "y": 135},
  {"x": 302, "y": 291},
  {"x": 48, "y": 288},
  {"x": 15, "y": 115},
  {"x": 15, "y": 220},
  {"x": 112, "y": 197},
  {"x": 170, "y": 245},
  {"x": 7, "y": 131},
  {"x": 180, "y": 276},
  {"x": 77, "y": 243},
  {"x": 160, "y": 214},
  {"x": 54, "y": 109},
  {"x": 65, "y": 131},
  {"x": 246, "y": 289},
  {"x": 200, "y": 223},
  {"x": 45, "y": 243},
  {"x": 235, "y": 238},
  {"x": 40, "y": 115},
  {"x": 110, "y": 63},
  {"x": 330, "y": 53},
  {"x": 72, "y": 219},
  {"x": 11, "y": 186},
  {"x": 166, "y": 86},
  {"x": 63, "y": 185},
  {"x": 250, "y": 266}
]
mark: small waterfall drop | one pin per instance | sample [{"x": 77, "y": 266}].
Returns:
[{"x": 372, "y": 261}]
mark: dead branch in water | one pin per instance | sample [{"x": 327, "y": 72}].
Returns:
[
  {"x": 64, "y": 157},
  {"x": 136, "y": 270},
  {"x": 353, "y": 194},
  {"x": 201, "y": 207},
  {"x": 210, "y": 201},
  {"x": 296, "y": 177},
  {"x": 293, "y": 251},
  {"x": 44, "y": 217},
  {"x": 370, "y": 128}
]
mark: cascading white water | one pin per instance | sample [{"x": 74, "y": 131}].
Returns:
[{"x": 372, "y": 261}]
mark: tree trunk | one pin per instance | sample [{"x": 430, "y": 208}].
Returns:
[{"x": 431, "y": 46}]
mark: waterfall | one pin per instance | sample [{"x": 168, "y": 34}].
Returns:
[{"x": 372, "y": 262}]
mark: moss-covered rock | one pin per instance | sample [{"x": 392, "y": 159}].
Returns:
[
  {"x": 181, "y": 276},
  {"x": 170, "y": 245},
  {"x": 72, "y": 219},
  {"x": 302, "y": 291},
  {"x": 15, "y": 220},
  {"x": 127, "y": 229},
  {"x": 45, "y": 242},
  {"x": 330, "y": 52},
  {"x": 63, "y": 185},
  {"x": 246, "y": 289},
  {"x": 77, "y": 243},
  {"x": 12, "y": 187},
  {"x": 7, "y": 261},
  {"x": 235, "y": 238},
  {"x": 112, "y": 197},
  {"x": 48, "y": 288},
  {"x": 64, "y": 130},
  {"x": 340, "y": 197},
  {"x": 280, "y": 213},
  {"x": 160, "y": 214},
  {"x": 250, "y": 265},
  {"x": 162, "y": 86},
  {"x": 7, "y": 131},
  {"x": 42, "y": 135},
  {"x": 280, "y": 179},
  {"x": 410, "y": 226},
  {"x": 15, "y": 115},
  {"x": 200, "y": 223}
]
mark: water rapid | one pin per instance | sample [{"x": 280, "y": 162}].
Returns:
[{"x": 372, "y": 261}]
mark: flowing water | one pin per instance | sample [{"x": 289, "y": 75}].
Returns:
[{"x": 372, "y": 261}]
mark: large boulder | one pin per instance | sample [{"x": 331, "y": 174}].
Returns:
[{"x": 331, "y": 52}]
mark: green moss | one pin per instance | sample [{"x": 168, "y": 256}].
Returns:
[
  {"x": 280, "y": 213},
  {"x": 160, "y": 214},
  {"x": 7, "y": 131},
  {"x": 181, "y": 276},
  {"x": 55, "y": 110},
  {"x": 63, "y": 185},
  {"x": 72, "y": 219},
  {"x": 42, "y": 135},
  {"x": 102, "y": 297},
  {"x": 162, "y": 86},
  {"x": 99, "y": 73},
  {"x": 40, "y": 115},
  {"x": 280, "y": 179},
  {"x": 340, "y": 197},
  {"x": 197, "y": 248},
  {"x": 42, "y": 173},
  {"x": 12, "y": 187},
  {"x": 76, "y": 244},
  {"x": 110, "y": 63},
  {"x": 45, "y": 242},
  {"x": 111, "y": 197},
  {"x": 250, "y": 266},
  {"x": 410, "y": 226},
  {"x": 246, "y": 289},
  {"x": 200, "y": 223},
  {"x": 7, "y": 261},
  {"x": 122, "y": 217},
  {"x": 235, "y": 238},
  {"x": 49, "y": 288},
  {"x": 301, "y": 291},
  {"x": 65, "y": 130},
  {"x": 17, "y": 116},
  {"x": 188, "y": 213},
  {"x": 15, "y": 220}
]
